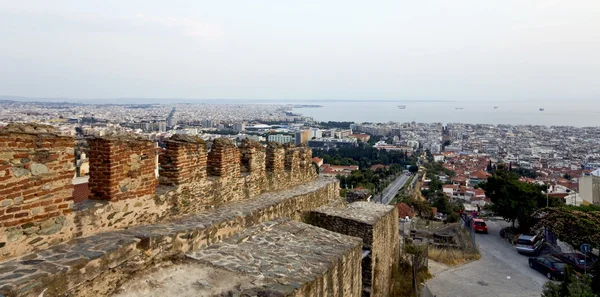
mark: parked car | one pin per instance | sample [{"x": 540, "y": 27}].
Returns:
[
  {"x": 529, "y": 244},
  {"x": 479, "y": 225},
  {"x": 553, "y": 268},
  {"x": 577, "y": 261}
]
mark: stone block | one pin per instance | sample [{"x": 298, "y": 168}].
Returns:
[{"x": 377, "y": 225}]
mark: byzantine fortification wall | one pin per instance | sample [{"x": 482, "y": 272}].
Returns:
[{"x": 214, "y": 209}]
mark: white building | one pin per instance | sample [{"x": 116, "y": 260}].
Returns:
[{"x": 281, "y": 138}]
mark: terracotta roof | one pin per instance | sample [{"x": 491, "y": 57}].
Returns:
[
  {"x": 479, "y": 192},
  {"x": 479, "y": 175},
  {"x": 317, "y": 159},
  {"x": 404, "y": 210}
]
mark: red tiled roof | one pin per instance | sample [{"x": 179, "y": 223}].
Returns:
[
  {"x": 479, "y": 175},
  {"x": 404, "y": 210}
]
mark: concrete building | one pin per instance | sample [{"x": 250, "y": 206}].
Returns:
[
  {"x": 361, "y": 137},
  {"x": 281, "y": 138},
  {"x": 303, "y": 136},
  {"x": 239, "y": 127},
  {"x": 589, "y": 188},
  {"x": 317, "y": 133},
  {"x": 341, "y": 134}
]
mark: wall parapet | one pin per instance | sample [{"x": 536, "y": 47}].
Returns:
[
  {"x": 81, "y": 266},
  {"x": 37, "y": 169}
]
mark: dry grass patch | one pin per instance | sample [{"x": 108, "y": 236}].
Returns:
[{"x": 451, "y": 256}]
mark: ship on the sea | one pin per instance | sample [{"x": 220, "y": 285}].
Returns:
[
  {"x": 402, "y": 106},
  {"x": 459, "y": 108},
  {"x": 541, "y": 109},
  {"x": 495, "y": 107}
]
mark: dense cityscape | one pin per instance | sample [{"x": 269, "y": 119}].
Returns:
[{"x": 441, "y": 179}]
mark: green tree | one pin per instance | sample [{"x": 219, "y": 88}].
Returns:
[
  {"x": 570, "y": 287},
  {"x": 452, "y": 218},
  {"x": 442, "y": 204},
  {"x": 516, "y": 201},
  {"x": 413, "y": 168},
  {"x": 572, "y": 225}
]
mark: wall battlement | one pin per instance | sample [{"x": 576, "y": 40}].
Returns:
[{"x": 37, "y": 168}]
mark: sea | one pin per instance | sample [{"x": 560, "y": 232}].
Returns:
[{"x": 558, "y": 113}]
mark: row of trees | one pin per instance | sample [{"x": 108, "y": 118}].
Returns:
[
  {"x": 364, "y": 156},
  {"x": 373, "y": 180}
]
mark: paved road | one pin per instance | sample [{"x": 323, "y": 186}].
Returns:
[
  {"x": 392, "y": 189},
  {"x": 501, "y": 271}
]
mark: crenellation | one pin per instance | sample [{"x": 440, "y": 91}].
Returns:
[
  {"x": 275, "y": 158},
  {"x": 121, "y": 168},
  {"x": 253, "y": 157},
  {"x": 223, "y": 159},
  {"x": 184, "y": 160},
  {"x": 36, "y": 168},
  {"x": 36, "y": 184}
]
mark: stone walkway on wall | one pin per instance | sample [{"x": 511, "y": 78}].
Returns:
[
  {"x": 64, "y": 267},
  {"x": 275, "y": 258}
]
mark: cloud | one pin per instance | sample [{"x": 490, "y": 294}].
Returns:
[
  {"x": 166, "y": 24},
  {"x": 186, "y": 26}
]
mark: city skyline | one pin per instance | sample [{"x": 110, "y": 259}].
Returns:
[{"x": 511, "y": 50}]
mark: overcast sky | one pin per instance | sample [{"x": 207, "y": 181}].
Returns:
[{"x": 308, "y": 49}]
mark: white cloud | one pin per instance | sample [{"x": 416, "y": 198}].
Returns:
[{"x": 186, "y": 26}]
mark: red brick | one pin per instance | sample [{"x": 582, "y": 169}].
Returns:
[
  {"x": 50, "y": 208},
  {"x": 13, "y": 209},
  {"x": 21, "y": 215}
]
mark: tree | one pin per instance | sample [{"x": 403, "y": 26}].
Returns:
[
  {"x": 422, "y": 208},
  {"x": 570, "y": 287},
  {"x": 516, "y": 201},
  {"x": 452, "y": 218},
  {"x": 413, "y": 169},
  {"x": 442, "y": 204},
  {"x": 572, "y": 225}
]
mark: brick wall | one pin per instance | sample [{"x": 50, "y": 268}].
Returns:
[
  {"x": 36, "y": 179},
  {"x": 121, "y": 168},
  {"x": 36, "y": 169},
  {"x": 183, "y": 161},
  {"x": 224, "y": 159}
]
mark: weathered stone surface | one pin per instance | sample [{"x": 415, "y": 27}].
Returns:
[
  {"x": 277, "y": 258},
  {"x": 377, "y": 225},
  {"x": 19, "y": 172},
  {"x": 37, "y": 169},
  {"x": 95, "y": 253}
]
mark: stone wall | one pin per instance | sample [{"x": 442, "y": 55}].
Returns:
[
  {"x": 377, "y": 225},
  {"x": 96, "y": 265},
  {"x": 36, "y": 170}
]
